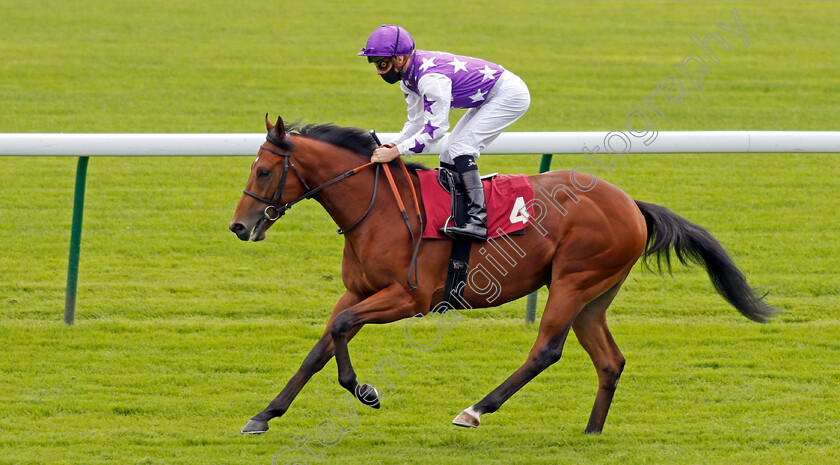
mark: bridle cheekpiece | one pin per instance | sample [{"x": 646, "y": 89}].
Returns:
[{"x": 273, "y": 203}]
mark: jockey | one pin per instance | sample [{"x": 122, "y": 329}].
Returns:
[{"x": 433, "y": 83}]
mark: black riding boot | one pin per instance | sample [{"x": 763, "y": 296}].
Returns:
[{"x": 476, "y": 226}]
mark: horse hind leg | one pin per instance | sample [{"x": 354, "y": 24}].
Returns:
[
  {"x": 590, "y": 327},
  {"x": 562, "y": 307}
]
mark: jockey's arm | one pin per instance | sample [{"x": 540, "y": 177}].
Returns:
[
  {"x": 429, "y": 108},
  {"x": 414, "y": 107}
]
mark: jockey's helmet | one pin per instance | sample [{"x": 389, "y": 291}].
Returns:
[{"x": 388, "y": 40}]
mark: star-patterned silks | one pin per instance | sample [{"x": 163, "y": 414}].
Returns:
[
  {"x": 487, "y": 72},
  {"x": 427, "y": 104},
  {"x": 457, "y": 65},
  {"x": 471, "y": 81},
  {"x": 478, "y": 96},
  {"x": 418, "y": 147},
  {"x": 427, "y": 63},
  {"x": 430, "y": 129}
]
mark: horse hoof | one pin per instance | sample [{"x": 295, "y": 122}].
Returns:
[
  {"x": 255, "y": 427},
  {"x": 467, "y": 418},
  {"x": 367, "y": 395}
]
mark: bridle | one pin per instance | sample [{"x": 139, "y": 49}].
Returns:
[{"x": 273, "y": 203}]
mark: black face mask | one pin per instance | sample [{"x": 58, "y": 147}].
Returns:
[{"x": 392, "y": 76}]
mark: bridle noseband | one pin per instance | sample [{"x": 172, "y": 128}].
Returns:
[{"x": 273, "y": 203}]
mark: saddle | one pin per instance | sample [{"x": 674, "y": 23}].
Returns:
[
  {"x": 508, "y": 197},
  {"x": 508, "y": 214}
]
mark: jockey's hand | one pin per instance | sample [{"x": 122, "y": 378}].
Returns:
[{"x": 385, "y": 153}]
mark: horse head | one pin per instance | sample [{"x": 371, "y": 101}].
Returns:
[{"x": 270, "y": 189}]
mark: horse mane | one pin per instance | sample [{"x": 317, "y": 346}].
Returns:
[{"x": 354, "y": 139}]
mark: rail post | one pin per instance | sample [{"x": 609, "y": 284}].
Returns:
[{"x": 75, "y": 242}]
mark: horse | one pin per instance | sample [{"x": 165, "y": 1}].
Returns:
[{"x": 582, "y": 246}]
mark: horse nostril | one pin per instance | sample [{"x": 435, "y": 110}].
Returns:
[{"x": 237, "y": 227}]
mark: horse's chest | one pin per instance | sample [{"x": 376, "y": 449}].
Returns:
[
  {"x": 365, "y": 283},
  {"x": 363, "y": 280}
]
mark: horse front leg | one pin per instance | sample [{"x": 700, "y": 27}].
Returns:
[
  {"x": 317, "y": 358},
  {"x": 388, "y": 305}
]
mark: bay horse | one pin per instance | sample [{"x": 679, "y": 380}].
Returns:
[{"x": 583, "y": 250}]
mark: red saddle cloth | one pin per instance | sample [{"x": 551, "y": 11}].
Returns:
[{"x": 506, "y": 196}]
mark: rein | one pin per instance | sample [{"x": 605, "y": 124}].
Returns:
[
  {"x": 412, "y": 267},
  {"x": 273, "y": 203}
]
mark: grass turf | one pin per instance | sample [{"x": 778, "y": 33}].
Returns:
[{"x": 183, "y": 332}]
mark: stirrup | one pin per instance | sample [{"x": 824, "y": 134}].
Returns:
[{"x": 470, "y": 231}]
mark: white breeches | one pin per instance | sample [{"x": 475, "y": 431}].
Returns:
[{"x": 506, "y": 103}]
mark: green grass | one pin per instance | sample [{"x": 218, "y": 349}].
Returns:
[{"x": 183, "y": 332}]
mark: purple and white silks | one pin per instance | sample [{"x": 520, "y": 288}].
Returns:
[{"x": 434, "y": 83}]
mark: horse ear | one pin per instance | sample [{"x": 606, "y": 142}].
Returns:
[
  {"x": 280, "y": 127},
  {"x": 268, "y": 125}
]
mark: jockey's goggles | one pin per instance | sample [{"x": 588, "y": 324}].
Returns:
[{"x": 381, "y": 64}]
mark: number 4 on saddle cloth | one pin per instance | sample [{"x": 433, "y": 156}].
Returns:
[
  {"x": 508, "y": 197},
  {"x": 509, "y": 209}
]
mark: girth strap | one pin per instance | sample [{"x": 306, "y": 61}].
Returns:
[{"x": 456, "y": 277}]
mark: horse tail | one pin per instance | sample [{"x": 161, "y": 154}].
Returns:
[{"x": 692, "y": 243}]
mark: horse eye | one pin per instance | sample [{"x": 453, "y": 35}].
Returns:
[{"x": 263, "y": 173}]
